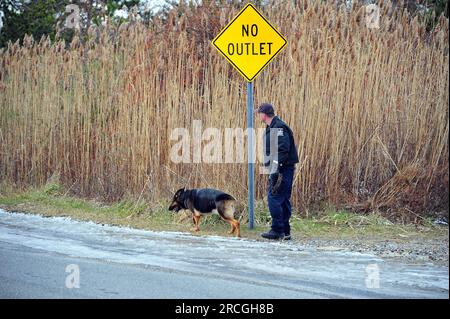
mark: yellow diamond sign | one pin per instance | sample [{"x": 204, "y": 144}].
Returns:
[{"x": 249, "y": 42}]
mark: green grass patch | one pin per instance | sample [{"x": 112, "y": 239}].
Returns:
[{"x": 330, "y": 223}]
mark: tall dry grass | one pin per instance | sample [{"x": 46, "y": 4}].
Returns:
[{"x": 369, "y": 108}]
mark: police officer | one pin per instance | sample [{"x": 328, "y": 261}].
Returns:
[{"x": 280, "y": 158}]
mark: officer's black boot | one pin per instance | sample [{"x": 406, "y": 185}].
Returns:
[{"x": 272, "y": 235}]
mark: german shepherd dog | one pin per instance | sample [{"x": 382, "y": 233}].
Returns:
[{"x": 205, "y": 201}]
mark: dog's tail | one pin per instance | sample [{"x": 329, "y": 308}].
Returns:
[{"x": 224, "y": 196}]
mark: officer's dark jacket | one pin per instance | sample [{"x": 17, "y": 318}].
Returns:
[{"x": 287, "y": 152}]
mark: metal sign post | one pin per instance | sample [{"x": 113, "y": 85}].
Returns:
[
  {"x": 251, "y": 160},
  {"x": 249, "y": 42}
]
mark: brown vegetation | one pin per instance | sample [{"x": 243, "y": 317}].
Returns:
[{"x": 369, "y": 108}]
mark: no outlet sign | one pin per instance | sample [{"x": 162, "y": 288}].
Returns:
[{"x": 249, "y": 42}]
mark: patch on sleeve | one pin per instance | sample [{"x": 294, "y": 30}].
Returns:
[{"x": 280, "y": 132}]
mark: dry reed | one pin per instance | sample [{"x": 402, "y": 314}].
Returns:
[{"x": 369, "y": 107}]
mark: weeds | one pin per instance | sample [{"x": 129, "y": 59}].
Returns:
[{"x": 369, "y": 108}]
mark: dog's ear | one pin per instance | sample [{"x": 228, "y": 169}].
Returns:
[{"x": 179, "y": 192}]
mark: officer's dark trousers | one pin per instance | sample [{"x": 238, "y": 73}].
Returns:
[{"x": 280, "y": 204}]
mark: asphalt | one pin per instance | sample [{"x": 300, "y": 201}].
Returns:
[{"x": 62, "y": 258}]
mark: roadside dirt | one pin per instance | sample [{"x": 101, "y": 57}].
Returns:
[{"x": 413, "y": 251}]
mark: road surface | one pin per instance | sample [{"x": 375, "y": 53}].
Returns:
[{"x": 61, "y": 258}]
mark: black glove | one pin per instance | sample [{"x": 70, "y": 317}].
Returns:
[{"x": 275, "y": 181}]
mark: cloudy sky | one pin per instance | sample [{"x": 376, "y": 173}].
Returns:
[{"x": 150, "y": 4}]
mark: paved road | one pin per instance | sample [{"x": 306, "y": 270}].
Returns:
[{"x": 42, "y": 257}]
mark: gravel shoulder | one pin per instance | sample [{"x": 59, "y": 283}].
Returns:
[{"x": 434, "y": 251}]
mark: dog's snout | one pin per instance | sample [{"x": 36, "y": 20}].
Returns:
[{"x": 174, "y": 206}]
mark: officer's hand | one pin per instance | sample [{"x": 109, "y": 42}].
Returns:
[
  {"x": 275, "y": 181},
  {"x": 273, "y": 178}
]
